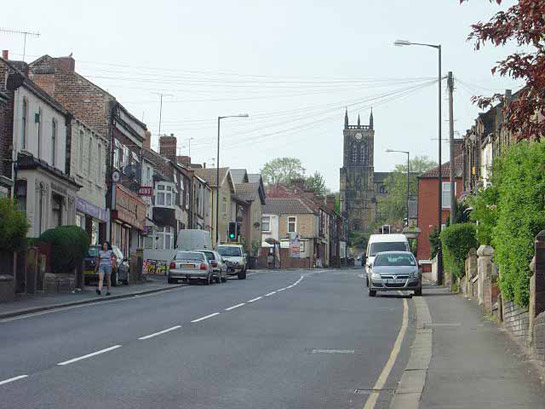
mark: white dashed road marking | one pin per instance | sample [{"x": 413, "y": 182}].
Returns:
[
  {"x": 70, "y": 361},
  {"x": 160, "y": 332},
  {"x": 206, "y": 317},
  {"x": 255, "y": 299},
  {"x": 15, "y": 378},
  {"x": 235, "y": 306}
]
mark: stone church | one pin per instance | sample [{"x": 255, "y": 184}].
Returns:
[{"x": 360, "y": 184}]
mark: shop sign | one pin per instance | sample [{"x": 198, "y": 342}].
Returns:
[
  {"x": 295, "y": 249},
  {"x": 129, "y": 208},
  {"x": 91, "y": 210},
  {"x": 145, "y": 191}
]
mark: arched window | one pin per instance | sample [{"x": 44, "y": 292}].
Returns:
[
  {"x": 354, "y": 153},
  {"x": 363, "y": 154},
  {"x": 53, "y": 142}
]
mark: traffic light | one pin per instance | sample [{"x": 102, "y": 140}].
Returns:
[{"x": 232, "y": 231}]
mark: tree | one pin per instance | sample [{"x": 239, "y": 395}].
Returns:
[
  {"x": 282, "y": 171},
  {"x": 524, "y": 24},
  {"x": 13, "y": 226},
  {"x": 393, "y": 207},
  {"x": 316, "y": 182}
]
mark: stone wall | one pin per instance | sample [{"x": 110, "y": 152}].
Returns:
[{"x": 539, "y": 337}]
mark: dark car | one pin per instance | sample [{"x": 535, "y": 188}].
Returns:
[
  {"x": 119, "y": 268},
  {"x": 89, "y": 265}
]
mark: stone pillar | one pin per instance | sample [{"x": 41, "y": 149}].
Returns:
[
  {"x": 484, "y": 271},
  {"x": 471, "y": 272}
]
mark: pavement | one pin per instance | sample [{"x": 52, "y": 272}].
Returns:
[
  {"x": 474, "y": 363},
  {"x": 281, "y": 339}
]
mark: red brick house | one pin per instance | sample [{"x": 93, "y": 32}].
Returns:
[{"x": 428, "y": 201}]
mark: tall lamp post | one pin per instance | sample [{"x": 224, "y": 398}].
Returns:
[
  {"x": 402, "y": 43},
  {"x": 218, "y": 171},
  {"x": 408, "y": 177}
]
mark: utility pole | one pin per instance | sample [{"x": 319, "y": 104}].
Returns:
[
  {"x": 450, "y": 83},
  {"x": 23, "y": 33}
]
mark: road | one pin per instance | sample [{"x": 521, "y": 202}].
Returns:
[{"x": 293, "y": 339}]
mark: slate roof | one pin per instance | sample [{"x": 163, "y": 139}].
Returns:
[
  {"x": 254, "y": 177},
  {"x": 445, "y": 169},
  {"x": 247, "y": 191},
  {"x": 239, "y": 176},
  {"x": 209, "y": 175},
  {"x": 286, "y": 205}
]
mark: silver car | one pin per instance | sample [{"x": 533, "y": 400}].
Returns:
[
  {"x": 219, "y": 268},
  {"x": 188, "y": 265},
  {"x": 394, "y": 271}
]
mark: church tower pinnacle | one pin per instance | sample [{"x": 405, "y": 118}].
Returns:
[{"x": 346, "y": 118}]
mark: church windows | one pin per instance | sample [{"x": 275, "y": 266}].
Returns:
[
  {"x": 354, "y": 153},
  {"x": 363, "y": 154}
]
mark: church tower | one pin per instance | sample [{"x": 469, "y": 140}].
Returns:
[{"x": 357, "y": 193}]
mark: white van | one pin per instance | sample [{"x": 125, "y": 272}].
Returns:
[
  {"x": 194, "y": 239},
  {"x": 384, "y": 242}
]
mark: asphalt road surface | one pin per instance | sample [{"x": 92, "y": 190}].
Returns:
[{"x": 293, "y": 339}]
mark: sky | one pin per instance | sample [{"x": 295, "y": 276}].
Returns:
[{"x": 293, "y": 66}]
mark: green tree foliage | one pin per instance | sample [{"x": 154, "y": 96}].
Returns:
[
  {"x": 484, "y": 204},
  {"x": 457, "y": 240},
  {"x": 282, "y": 171},
  {"x": 13, "y": 226},
  {"x": 519, "y": 178},
  {"x": 393, "y": 207},
  {"x": 69, "y": 246},
  {"x": 435, "y": 242},
  {"x": 316, "y": 182},
  {"x": 358, "y": 240}
]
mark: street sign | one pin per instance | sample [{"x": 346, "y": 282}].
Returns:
[{"x": 145, "y": 191}]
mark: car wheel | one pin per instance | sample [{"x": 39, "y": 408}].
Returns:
[
  {"x": 242, "y": 275},
  {"x": 208, "y": 279},
  {"x": 223, "y": 279},
  {"x": 372, "y": 293},
  {"x": 217, "y": 279},
  {"x": 418, "y": 292},
  {"x": 172, "y": 280}
]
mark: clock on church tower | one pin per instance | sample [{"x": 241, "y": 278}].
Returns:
[{"x": 357, "y": 191}]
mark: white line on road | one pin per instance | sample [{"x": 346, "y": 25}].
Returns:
[
  {"x": 160, "y": 332},
  {"x": 15, "y": 378},
  {"x": 255, "y": 299},
  {"x": 281, "y": 289},
  {"x": 271, "y": 293},
  {"x": 372, "y": 400},
  {"x": 70, "y": 361},
  {"x": 206, "y": 317},
  {"x": 235, "y": 306}
]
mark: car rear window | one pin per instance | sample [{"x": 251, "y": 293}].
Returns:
[
  {"x": 92, "y": 252},
  {"x": 209, "y": 255},
  {"x": 230, "y": 251},
  {"x": 387, "y": 246},
  {"x": 399, "y": 260},
  {"x": 189, "y": 255}
]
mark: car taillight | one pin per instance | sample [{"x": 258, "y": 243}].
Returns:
[
  {"x": 203, "y": 266},
  {"x": 172, "y": 265},
  {"x": 214, "y": 264}
]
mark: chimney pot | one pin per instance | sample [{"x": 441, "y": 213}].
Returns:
[{"x": 5, "y": 54}]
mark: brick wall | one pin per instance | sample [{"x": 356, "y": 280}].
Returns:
[{"x": 516, "y": 321}]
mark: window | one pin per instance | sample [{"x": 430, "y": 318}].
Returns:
[
  {"x": 57, "y": 210},
  {"x": 292, "y": 224},
  {"x": 89, "y": 156},
  {"x": 126, "y": 158},
  {"x": 81, "y": 142},
  {"x": 445, "y": 199},
  {"x": 53, "y": 142},
  {"x": 266, "y": 224},
  {"x": 21, "y": 189},
  {"x": 363, "y": 154},
  {"x": 24, "y": 124},
  {"x": 99, "y": 163},
  {"x": 38, "y": 120},
  {"x": 164, "y": 238},
  {"x": 164, "y": 195},
  {"x": 354, "y": 153}
]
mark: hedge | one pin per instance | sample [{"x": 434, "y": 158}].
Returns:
[
  {"x": 457, "y": 240},
  {"x": 69, "y": 246},
  {"x": 13, "y": 226}
]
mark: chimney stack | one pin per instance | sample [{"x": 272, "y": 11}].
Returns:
[
  {"x": 147, "y": 141},
  {"x": 184, "y": 160},
  {"x": 167, "y": 147},
  {"x": 330, "y": 202},
  {"x": 67, "y": 64},
  {"x": 5, "y": 54}
]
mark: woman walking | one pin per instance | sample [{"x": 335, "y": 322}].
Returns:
[{"x": 105, "y": 259}]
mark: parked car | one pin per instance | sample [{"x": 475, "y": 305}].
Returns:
[
  {"x": 218, "y": 265},
  {"x": 235, "y": 258},
  {"x": 394, "y": 271},
  {"x": 120, "y": 266},
  {"x": 188, "y": 265}
]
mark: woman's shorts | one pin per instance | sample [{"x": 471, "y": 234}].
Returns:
[{"x": 105, "y": 269}]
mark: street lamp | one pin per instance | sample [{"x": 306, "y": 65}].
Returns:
[
  {"x": 218, "y": 171},
  {"x": 402, "y": 43},
  {"x": 408, "y": 177}
]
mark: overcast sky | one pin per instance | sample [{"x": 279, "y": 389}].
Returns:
[{"x": 292, "y": 65}]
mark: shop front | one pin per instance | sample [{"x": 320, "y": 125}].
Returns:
[
  {"x": 128, "y": 221},
  {"x": 92, "y": 219}
]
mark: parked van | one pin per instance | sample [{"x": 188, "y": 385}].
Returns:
[
  {"x": 194, "y": 239},
  {"x": 384, "y": 242}
]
